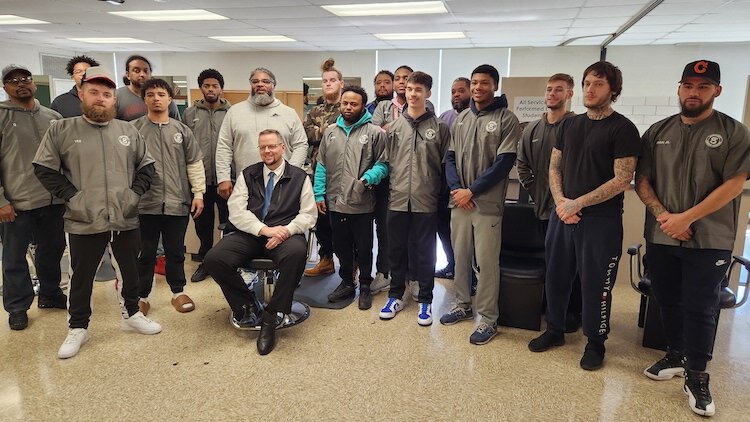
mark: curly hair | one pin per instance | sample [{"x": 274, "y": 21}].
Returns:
[
  {"x": 79, "y": 59},
  {"x": 210, "y": 74}
]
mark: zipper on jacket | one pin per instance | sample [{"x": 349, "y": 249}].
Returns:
[
  {"x": 106, "y": 182},
  {"x": 36, "y": 132},
  {"x": 163, "y": 170}
]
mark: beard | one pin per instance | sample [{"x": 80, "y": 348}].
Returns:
[
  {"x": 262, "y": 99},
  {"x": 379, "y": 98},
  {"x": 460, "y": 105},
  {"x": 99, "y": 114},
  {"x": 692, "y": 112}
]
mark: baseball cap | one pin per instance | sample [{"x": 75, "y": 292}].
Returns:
[
  {"x": 702, "y": 69},
  {"x": 99, "y": 73},
  {"x": 7, "y": 70}
]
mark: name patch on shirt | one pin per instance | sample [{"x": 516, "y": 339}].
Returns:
[
  {"x": 714, "y": 140},
  {"x": 535, "y": 140},
  {"x": 662, "y": 142},
  {"x": 124, "y": 140}
]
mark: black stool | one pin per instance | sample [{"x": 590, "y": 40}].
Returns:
[
  {"x": 265, "y": 271},
  {"x": 649, "y": 316}
]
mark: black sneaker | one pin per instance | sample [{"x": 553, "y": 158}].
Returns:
[
  {"x": 53, "y": 302},
  {"x": 446, "y": 273},
  {"x": 546, "y": 341},
  {"x": 18, "y": 320},
  {"x": 671, "y": 365},
  {"x": 699, "y": 397},
  {"x": 593, "y": 356},
  {"x": 250, "y": 318},
  {"x": 200, "y": 274},
  {"x": 341, "y": 292},
  {"x": 365, "y": 297}
]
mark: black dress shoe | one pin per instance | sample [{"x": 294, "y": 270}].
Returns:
[
  {"x": 342, "y": 291},
  {"x": 267, "y": 338},
  {"x": 200, "y": 274},
  {"x": 53, "y": 302},
  {"x": 365, "y": 297},
  {"x": 18, "y": 320}
]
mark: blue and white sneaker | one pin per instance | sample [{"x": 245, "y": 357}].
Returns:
[
  {"x": 424, "y": 317},
  {"x": 483, "y": 334},
  {"x": 391, "y": 308}
]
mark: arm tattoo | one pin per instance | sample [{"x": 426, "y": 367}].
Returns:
[
  {"x": 646, "y": 192},
  {"x": 624, "y": 169},
  {"x": 555, "y": 176}
]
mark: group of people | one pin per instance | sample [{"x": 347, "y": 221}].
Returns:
[{"x": 353, "y": 163}]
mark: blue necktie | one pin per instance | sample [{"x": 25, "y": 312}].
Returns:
[{"x": 269, "y": 192}]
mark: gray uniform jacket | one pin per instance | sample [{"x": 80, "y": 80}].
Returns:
[
  {"x": 346, "y": 158},
  {"x": 21, "y": 132},
  {"x": 478, "y": 138},
  {"x": 415, "y": 152},
  {"x": 101, "y": 162},
  {"x": 131, "y": 106},
  {"x": 685, "y": 164},
  {"x": 205, "y": 124},
  {"x": 534, "y": 151},
  {"x": 385, "y": 112},
  {"x": 173, "y": 147}
]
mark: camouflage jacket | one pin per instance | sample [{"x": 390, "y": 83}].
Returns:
[{"x": 316, "y": 122}]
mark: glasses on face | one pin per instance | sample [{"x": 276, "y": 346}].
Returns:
[
  {"x": 79, "y": 71},
  {"x": 16, "y": 81},
  {"x": 261, "y": 81},
  {"x": 271, "y": 147}
]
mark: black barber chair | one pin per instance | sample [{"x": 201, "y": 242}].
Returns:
[
  {"x": 264, "y": 270},
  {"x": 522, "y": 268},
  {"x": 649, "y": 317}
]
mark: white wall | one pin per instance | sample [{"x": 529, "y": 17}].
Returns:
[{"x": 28, "y": 55}]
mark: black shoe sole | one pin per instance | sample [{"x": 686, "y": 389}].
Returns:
[{"x": 544, "y": 349}]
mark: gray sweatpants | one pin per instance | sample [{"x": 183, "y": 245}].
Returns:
[{"x": 477, "y": 237}]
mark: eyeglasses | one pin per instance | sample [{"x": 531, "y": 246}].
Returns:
[
  {"x": 16, "y": 81},
  {"x": 79, "y": 71},
  {"x": 261, "y": 81},
  {"x": 268, "y": 147}
]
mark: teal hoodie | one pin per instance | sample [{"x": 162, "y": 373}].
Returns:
[{"x": 373, "y": 176}]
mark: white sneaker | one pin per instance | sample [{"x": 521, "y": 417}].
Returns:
[
  {"x": 139, "y": 323},
  {"x": 391, "y": 308},
  {"x": 380, "y": 283},
  {"x": 73, "y": 342},
  {"x": 424, "y": 316}
]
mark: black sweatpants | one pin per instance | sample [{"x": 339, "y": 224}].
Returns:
[
  {"x": 686, "y": 284},
  {"x": 86, "y": 252},
  {"x": 172, "y": 230},
  {"x": 382, "y": 194},
  {"x": 204, "y": 223},
  {"x": 324, "y": 236},
  {"x": 236, "y": 249},
  {"x": 353, "y": 232},
  {"x": 574, "y": 303},
  {"x": 592, "y": 249},
  {"x": 412, "y": 248}
]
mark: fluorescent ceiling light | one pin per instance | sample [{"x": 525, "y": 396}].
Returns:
[
  {"x": 18, "y": 20},
  {"x": 170, "y": 15},
  {"x": 111, "y": 40},
  {"x": 387, "y": 9},
  {"x": 421, "y": 36},
  {"x": 254, "y": 38}
]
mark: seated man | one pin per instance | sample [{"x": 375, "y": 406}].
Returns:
[{"x": 270, "y": 208}]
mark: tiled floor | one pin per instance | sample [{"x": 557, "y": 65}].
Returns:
[{"x": 344, "y": 365}]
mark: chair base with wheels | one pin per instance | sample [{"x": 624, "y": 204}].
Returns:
[
  {"x": 649, "y": 316},
  {"x": 264, "y": 270}
]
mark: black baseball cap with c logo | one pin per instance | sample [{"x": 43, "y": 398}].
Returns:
[{"x": 705, "y": 69}]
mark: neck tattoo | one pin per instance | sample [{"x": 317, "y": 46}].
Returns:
[{"x": 599, "y": 113}]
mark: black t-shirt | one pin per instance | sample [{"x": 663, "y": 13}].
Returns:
[{"x": 589, "y": 149}]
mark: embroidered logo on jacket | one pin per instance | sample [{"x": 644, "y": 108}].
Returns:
[
  {"x": 430, "y": 134},
  {"x": 363, "y": 139},
  {"x": 177, "y": 138},
  {"x": 491, "y": 126},
  {"x": 124, "y": 140},
  {"x": 714, "y": 140}
]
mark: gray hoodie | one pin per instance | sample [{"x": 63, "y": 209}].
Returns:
[
  {"x": 238, "y": 137},
  {"x": 21, "y": 132}
]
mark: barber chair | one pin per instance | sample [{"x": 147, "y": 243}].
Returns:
[
  {"x": 522, "y": 268},
  {"x": 649, "y": 316},
  {"x": 264, "y": 270}
]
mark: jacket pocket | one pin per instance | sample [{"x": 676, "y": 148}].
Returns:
[
  {"x": 358, "y": 192},
  {"x": 130, "y": 204},
  {"x": 76, "y": 209}
]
